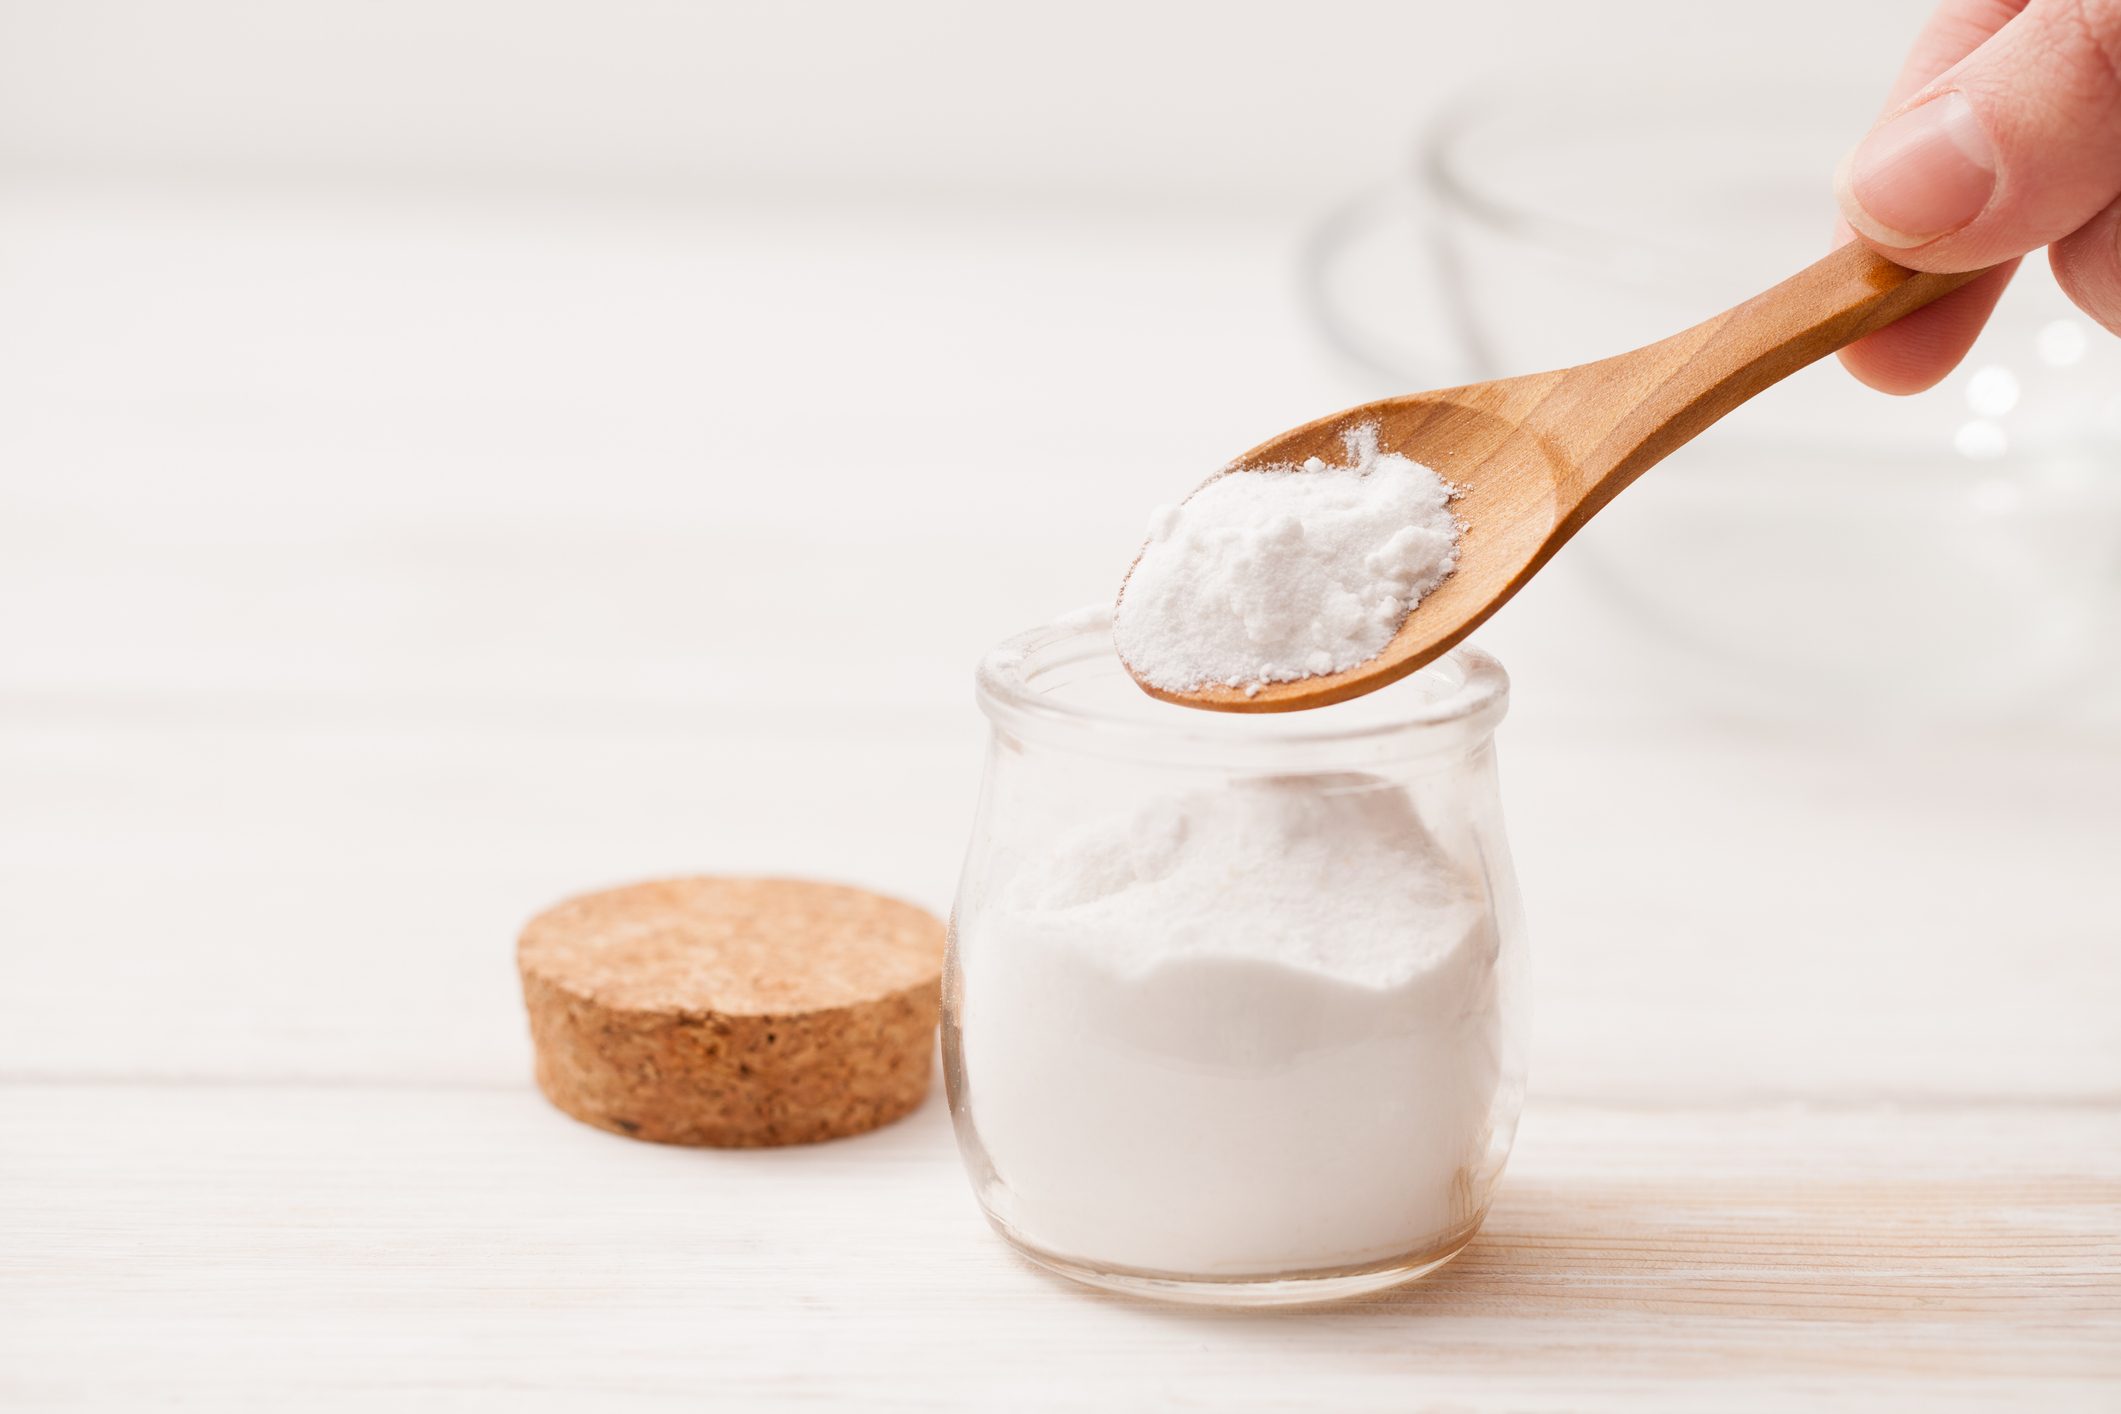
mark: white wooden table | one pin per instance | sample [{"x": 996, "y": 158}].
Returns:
[{"x": 372, "y": 575}]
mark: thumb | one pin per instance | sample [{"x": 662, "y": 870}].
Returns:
[{"x": 2014, "y": 147}]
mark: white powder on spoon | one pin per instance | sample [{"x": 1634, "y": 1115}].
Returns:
[{"x": 1279, "y": 573}]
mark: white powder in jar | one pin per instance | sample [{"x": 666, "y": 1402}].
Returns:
[
  {"x": 1279, "y": 573},
  {"x": 1242, "y": 1032}
]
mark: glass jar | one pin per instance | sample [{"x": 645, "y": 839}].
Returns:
[{"x": 1233, "y": 1008}]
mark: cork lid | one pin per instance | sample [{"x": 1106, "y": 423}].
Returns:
[
  {"x": 738, "y": 947},
  {"x": 733, "y": 1012}
]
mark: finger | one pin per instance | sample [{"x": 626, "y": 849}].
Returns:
[
  {"x": 1915, "y": 353},
  {"x": 2087, "y": 264},
  {"x": 2014, "y": 146},
  {"x": 1921, "y": 348},
  {"x": 1957, "y": 29}
]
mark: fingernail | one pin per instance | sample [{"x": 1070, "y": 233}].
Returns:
[{"x": 1922, "y": 175}]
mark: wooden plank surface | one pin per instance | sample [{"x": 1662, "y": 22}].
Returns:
[
  {"x": 1932, "y": 923},
  {"x": 334, "y": 645},
  {"x": 262, "y": 1247}
]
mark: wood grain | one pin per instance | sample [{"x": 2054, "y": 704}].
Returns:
[
  {"x": 322, "y": 1249},
  {"x": 374, "y": 944},
  {"x": 346, "y": 622}
]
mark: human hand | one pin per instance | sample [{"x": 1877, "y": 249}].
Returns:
[{"x": 2002, "y": 135}]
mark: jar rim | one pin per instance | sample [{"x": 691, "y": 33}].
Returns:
[{"x": 1467, "y": 693}]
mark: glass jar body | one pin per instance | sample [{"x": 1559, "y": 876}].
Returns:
[{"x": 1235, "y": 1016}]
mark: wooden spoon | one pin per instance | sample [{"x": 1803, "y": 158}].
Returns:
[{"x": 1536, "y": 457}]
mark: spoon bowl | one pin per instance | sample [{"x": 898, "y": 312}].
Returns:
[{"x": 1533, "y": 458}]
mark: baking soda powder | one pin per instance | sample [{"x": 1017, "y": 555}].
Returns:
[
  {"x": 1248, "y": 1031},
  {"x": 1273, "y": 574}
]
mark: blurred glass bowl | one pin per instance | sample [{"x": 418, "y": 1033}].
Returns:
[{"x": 1826, "y": 547}]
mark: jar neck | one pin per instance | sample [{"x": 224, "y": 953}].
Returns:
[{"x": 1062, "y": 688}]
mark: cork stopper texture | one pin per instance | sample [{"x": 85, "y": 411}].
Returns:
[{"x": 733, "y": 1012}]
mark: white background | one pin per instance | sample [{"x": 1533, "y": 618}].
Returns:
[
  {"x": 456, "y": 454},
  {"x": 1143, "y": 107}
]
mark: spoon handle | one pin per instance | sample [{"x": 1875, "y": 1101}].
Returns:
[{"x": 1678, "y": 387}]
